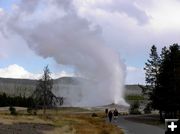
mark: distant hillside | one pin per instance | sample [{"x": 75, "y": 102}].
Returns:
[
  {"x": 17, "y": 86},
  {"x": 133, "y": 89},
  {"x": 26, "y": 86}
]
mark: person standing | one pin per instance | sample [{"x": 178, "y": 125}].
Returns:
[
  {"x": 110, "y": 114},
  {"x": 115, "y": 114}
]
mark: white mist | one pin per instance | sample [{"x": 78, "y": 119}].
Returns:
[{"x": 55, "y": 30}]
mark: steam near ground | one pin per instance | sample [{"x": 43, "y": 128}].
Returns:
[{"x": 53, "y": 28}]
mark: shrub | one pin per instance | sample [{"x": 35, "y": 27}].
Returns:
[
  {"x": 35, "y": 112},
  {"x": 12, "y": 110},
  {"x": 135, "y": 112},
  {"x": 94, "y": 115},
  {"x": 147, "y": 109},
  {"x": 104, "y": 132},
  {"x": 134, "y": 108},
  {"x": 29, "y": 110}
]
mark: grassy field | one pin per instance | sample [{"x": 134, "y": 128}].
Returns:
[
  {"x": 57, "y": 121},
  {"x": 135, "y": 97}
]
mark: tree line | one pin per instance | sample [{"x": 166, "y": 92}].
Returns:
[
  {"x": 163, "y": 81},
  {"x": 20, "y": 101}
]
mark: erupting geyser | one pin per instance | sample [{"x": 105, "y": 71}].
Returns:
[{"x": 52, "y": 28}]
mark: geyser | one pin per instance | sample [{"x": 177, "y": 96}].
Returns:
[{"x": 52, "y": 28}]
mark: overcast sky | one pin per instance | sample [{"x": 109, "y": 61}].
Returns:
[{"x": 130, "y": 27}]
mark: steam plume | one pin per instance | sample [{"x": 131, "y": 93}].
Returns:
[{"x": 52, "y": 28}]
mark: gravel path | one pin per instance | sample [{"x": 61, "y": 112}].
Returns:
[{"x": 130, "y": 127}]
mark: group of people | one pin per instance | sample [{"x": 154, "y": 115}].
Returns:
[{"x": 110, "y": 114}]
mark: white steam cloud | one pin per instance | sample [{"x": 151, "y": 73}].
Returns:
[{"x": 52, "y": 28}]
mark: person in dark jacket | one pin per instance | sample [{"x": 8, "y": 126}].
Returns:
[
  {"x": 115, "y": 114},
  {"x": 110, "y": 115}
]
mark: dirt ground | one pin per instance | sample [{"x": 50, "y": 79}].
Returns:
[{"x": 24, "y": 128}]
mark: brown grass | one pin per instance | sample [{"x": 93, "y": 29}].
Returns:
[
  {"x": 84, "y": 123},
  {"x": 65, "y": 121}
]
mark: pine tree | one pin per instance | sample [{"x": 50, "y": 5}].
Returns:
[
  {"x": 166, "y": 95},
  {"x": 152, "y": 67},
  {"x": 152, "y": 70}
]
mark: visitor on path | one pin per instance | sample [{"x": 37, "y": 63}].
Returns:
[
  {"x": 115, "y": 114},
  {"x": 106, "y": 112},
  {"x": 110, "y": 114}
]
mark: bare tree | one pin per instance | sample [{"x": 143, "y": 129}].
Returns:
[{"x": 43, "y": 94}]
